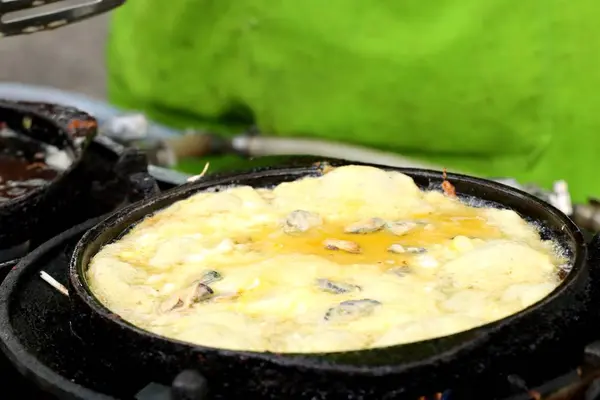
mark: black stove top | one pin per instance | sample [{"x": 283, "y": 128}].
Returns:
[
  {"x": 53, "y": 363},
  {"x": 47, "y": 353},
  {"x": 105, "y": 171},
  {"x": 47, "y": 361}
]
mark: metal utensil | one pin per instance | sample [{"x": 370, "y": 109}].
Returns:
[
  {"x": 158, "y": 172},
  {"x": 133, "y": 130},
  {"x": 29, "y": 16}
]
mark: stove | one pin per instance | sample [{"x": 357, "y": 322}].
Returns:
[
  {"x": 105, "y": 170},
  {"x": 107, "y": 166},
  {"x": 45, "y": 360},
  {"x": 52, "y": 363}
]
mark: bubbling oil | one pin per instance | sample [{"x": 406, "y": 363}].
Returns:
[{"x": 432, "y": 229}]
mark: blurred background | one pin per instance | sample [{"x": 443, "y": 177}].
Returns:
[
  {"x": 512, "y": 119},
  {"x": 71, "y": 58}
]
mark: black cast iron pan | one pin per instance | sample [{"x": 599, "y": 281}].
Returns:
[
  {"x": 93, "y": 183},
  {"x": 67, "y": 129},
  {"x": 536, "y": 334}
]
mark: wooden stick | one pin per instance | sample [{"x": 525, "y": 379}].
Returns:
[
  {"x": 196, "y": 177},
  {"x": 54, "y": 283}
]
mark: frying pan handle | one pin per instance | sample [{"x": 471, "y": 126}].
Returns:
[
  {"x": 132, "y": 168},
  {"x": 142, "y": 186},
  {"x": 189, "y": 385},
  {"x": 77, "y": 123}
]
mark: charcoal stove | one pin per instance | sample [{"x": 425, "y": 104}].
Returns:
[
  {"x": 38, "y": 341},
  {"x": 94, "y": 181},
  {"x": 46, "y": 360},
  {"x": 43, "y": 348},
  {"x": 105, "y": 178}
]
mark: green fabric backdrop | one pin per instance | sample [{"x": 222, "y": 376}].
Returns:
[{"x": 494, "y": 87}]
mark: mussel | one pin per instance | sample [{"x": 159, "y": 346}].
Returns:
[
  {"x": 183, "y": 299},
  {"x": 352, "y": 309},
  {"x": 399, "y": 249},
  {"x": 400, "y": 228},
  {"x": 342, "y": 245},
  {"x": 300, "y": 221},
  {"x": 400, "y": 271},
  {"x": 210, "y": 276},
  {"x": 366, "y": 226},
  {"x": 336, "y": 287}
]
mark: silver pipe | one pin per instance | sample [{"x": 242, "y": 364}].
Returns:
[
  {"x": 264, "y": 146},
  {"x": 117, "y": 122}
]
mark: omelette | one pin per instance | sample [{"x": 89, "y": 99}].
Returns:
[{"x": 357, "y": 258}]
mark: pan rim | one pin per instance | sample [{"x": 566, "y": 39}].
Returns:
[
  {"x": 21, "y": 108},
  {"x": 27, "y": 363},
  {"x": 79, "y": 285}
]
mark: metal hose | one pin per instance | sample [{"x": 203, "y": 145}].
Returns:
[
  {"x": 168, "y": 142},
  {"x": 257, "y": 146}
]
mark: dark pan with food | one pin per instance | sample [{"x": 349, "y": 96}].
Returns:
[{"x": 533, "y": 334}]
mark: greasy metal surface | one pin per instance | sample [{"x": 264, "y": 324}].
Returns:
[
  {"x": 38, "y": 339},
  {"x": 27, "y": 339},
  {"x": 40, "y": 345},
  {"x": 35, "y": 334},
  {"x": 23, "y": 216},
  {"x": 532, "y": 335},
  {"x": 96, "y": 182}
]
